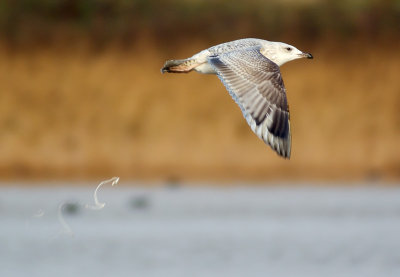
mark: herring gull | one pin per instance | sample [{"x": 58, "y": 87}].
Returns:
[{"x": 249, "y": 69}]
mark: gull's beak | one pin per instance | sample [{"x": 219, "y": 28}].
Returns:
[{"x": 306, "y": 55}]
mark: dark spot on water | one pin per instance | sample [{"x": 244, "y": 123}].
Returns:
[
  {"x": 71, "y": 208},
  {"x": 139, "y": 202}
]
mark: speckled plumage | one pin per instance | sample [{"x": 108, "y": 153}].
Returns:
[{"x": 249, "y": 69}]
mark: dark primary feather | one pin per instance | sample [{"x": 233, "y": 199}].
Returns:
[{"x": 255, "y": 83}]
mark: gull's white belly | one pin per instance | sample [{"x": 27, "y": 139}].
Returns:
[{"x": 205, "y": 68}]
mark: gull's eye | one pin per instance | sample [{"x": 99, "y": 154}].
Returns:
[{"x": 288, "y": 49}]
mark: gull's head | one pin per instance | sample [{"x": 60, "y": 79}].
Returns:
[{"x": 281, "y": 53}]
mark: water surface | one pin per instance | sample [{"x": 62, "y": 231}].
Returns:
[{"x": 238, "y": 231}]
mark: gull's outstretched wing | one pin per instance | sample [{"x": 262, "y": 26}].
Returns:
[{"x": 255, "y": 83}]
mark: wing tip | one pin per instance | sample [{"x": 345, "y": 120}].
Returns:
[
  {"x": 281, "y": 145},
  {"x": 283, "y": 154}
]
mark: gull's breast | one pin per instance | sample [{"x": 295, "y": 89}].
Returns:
[{"x": 205, "y": 68}]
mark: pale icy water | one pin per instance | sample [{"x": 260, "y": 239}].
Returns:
[{"x": 239, "y": 231}]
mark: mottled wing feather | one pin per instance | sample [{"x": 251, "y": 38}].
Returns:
[{"x": 256, "y": 85}]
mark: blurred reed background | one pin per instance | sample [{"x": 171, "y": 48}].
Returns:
[{"x": 82, "y": 95}]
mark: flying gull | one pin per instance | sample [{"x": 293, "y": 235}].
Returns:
[{"x": 249, "y": 69}]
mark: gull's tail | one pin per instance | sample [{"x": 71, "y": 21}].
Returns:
[{"x": 179, "y": 66}]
